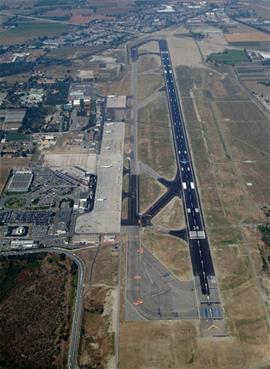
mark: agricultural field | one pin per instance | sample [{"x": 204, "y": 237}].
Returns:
[
  {"x": 253, "y": 36},
  {"x": 28, "y": 305},
  {"x": 31, "y": 30},
  {"x": 230, "y": 57}
]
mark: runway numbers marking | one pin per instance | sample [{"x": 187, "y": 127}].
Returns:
[
  {"x": 138, "y": 301},
  {"x": 140, "y": 250}
]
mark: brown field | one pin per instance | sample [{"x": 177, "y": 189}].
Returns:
[
  {"x": 147, "y": 63},
  {"x": 97, "y": 344},
  {"x": 150, "y": 191},
  {"x": 6, "y": 164},
  {"x": 248, "y": 37},
  {"x": 171, "y": 216},
  {"x": 171, "y": 252},
  {"x": 154, "y": 130},
  {"x": 148, "y": 84},
  {"x": 118, "y": 87}
]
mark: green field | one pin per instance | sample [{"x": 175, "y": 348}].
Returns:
[
  {"x": 229, "y": 57},
  {"x": 31, "y": 30}
]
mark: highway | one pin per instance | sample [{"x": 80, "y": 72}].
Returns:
[
  {"x": 78, "y": 304},
  {"x": 199, "y": 246}
]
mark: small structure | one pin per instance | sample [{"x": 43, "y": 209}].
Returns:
[{"x": 20, "y": 181}]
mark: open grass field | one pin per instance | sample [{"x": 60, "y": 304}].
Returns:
[
  {"x": 36, "y": 298},
  {"x": 155, "y": 144},
  {"x": 230, "y": 57},
  {"x": 31, "y": 30},
  {"x": 150, "y": 191}
]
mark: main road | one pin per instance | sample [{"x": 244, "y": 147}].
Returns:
[{"x": 198, "y": 242}]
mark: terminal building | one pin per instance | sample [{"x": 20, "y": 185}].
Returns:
[{"x": 105, "y": 217}]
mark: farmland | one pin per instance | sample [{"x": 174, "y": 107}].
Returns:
[
  {"x": 230, "y": 57},
  {"x": 31, "y": 30}
]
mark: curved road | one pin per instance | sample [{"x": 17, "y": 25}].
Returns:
[{"x": 78, "y": 305}]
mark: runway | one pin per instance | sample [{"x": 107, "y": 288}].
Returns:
[
  {"x": 198, "y": 242},
  {"x": 152, "y": 291}
]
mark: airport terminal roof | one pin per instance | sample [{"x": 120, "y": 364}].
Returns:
[
  {"x": 116, "y": 102},
  {"x": 106, "y": 215}
]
